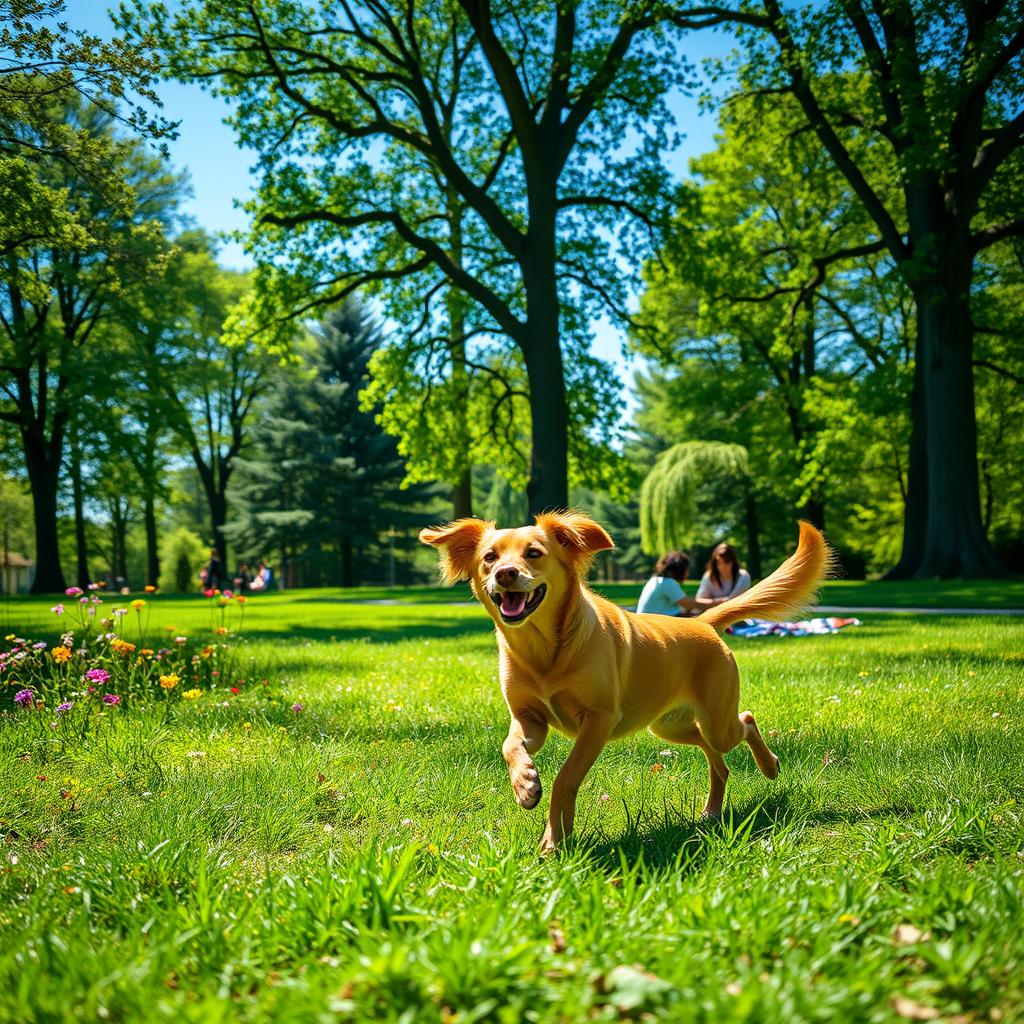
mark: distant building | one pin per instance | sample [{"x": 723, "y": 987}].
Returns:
[{"x": 16, "y": 573}]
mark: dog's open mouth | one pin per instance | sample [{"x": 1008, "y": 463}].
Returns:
[{"x": 516, "y": 605}]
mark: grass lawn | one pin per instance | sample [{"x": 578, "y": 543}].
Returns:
[{"x": 230, "y": 858}]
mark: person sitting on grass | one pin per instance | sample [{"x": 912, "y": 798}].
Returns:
[
  {"x": 722, "y": 579},
  {"x": 663, "y": 593}
]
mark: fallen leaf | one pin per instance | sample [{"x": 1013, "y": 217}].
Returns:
[{"x": 913, "y": 1011}]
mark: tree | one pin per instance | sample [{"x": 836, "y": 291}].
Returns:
[
  {"x": 322, "y": 476},
  {"x": 765, "y": 309},
  {"x": 350, "y": 108},
  {"x": 54, "y": 291},
  {"x": 941, "y": 102}
]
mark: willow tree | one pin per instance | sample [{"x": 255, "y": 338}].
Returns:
[
  {"x": 670, "y": 491},
  {"x": 545, "y": 123}
]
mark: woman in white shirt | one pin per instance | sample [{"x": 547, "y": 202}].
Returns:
[{"x": 723, "y": 579}]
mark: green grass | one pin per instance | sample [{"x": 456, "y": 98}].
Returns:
[{"x": 364, "y": 859}]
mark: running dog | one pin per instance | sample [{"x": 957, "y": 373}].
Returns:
[{"x": 572, "y": 661}]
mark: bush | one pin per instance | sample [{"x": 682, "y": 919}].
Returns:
[{"x": 182, "y": 555}]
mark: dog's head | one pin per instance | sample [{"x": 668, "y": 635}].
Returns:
[{"x": 517, "y": 573}]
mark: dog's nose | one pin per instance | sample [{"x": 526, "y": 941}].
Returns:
[{"x": 506, "y": 575}]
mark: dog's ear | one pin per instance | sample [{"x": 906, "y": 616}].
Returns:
[
  {"x": 458, "y": 543},
  {"x": 575, "y": 531}
]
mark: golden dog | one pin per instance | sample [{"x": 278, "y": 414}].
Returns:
[{"x": 572, "y": 660}]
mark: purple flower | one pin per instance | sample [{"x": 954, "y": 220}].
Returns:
[
  {"x": 97, "y": 675},
  {"x": 73, "y": 592},
  {"x": 83, "y": 600},
  {"x": 94, "y": 586},
  {"x": 41, "y": 646},
  {"x": 120, "y": 611},
  {"x": 57, "y": 609},
  {"x": 297, "y": 708},
  {"x": 111, "y": 699},
  {"x": 66, "y": 706},
  {"x": 23, "y": 697}
]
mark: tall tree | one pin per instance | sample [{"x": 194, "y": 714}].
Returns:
[
  {"x": 942, "y": 96},
  {"x": 56, "y": 289},
  {"x": 323, "y": 477},
  {"x": 557, "y": 129}
]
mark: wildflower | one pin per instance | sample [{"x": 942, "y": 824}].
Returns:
[
  {"x": 181, "y": 639},
  {"x": 57, "y": 609},
  {"x": 138, "y": 604},
  {"x": 120, "y": 611},
  {"x": 207, "y": 592},
  {"x": 23, "y": 697},
  {"x": 169, "y": 682},
  {"x": 97, "y": 675},
  {"x": 297, "y": 708},
  {"x": 207, "y": 650},
  {"x": 83, "y": 600},
  {"x": 61, "y": 654},
  {"x": 220, "y": 630},
  {"x": 146, "y": 652},
  {"x": 150, "y": 589},
  {"x": 235, "y": 690},
  {"x": 247, "y": 725},
  {"x": 192, "y": 694},
  {"x": 121, "y": 646},
  {"x": 657, "y": 767},
  {"x": 228, "y": 594},
  {"x": 73, "y": 592},
  {"x": 111, "y": 699},
  {"x": 41, "y": 646},
  {"x": 223, "y": 600},
  {"x": 241, "y": 600},
  {"x": 66, "y": 706}
]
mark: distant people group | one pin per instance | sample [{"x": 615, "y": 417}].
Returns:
[
  {"x": 214, "y": 577},
  {"x": 724, "y": 578}
]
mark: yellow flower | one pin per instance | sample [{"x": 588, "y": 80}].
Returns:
[
  {"x": 119, "y": 646},
  {"x": 146, "y": 652},
  {"x": 247, "y": 725},
  {"x": 150, "y": 589},
  {"x": 138, "y": 604},
  {"x": 169, "y": 682},
  {"x": 192, "y": 694},
  {"x": 61, "y": 654},
  {"x": 207, "y": 650}
]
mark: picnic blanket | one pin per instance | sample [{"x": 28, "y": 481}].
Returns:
[{"x": 805, "y": 627}]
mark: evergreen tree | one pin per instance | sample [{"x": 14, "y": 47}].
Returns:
[{"x": 321, "y": 485}]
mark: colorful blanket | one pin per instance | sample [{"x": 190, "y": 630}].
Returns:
[{"x": 806, "y": 627}]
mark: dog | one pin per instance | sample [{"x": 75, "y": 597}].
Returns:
[{"x": 573, "y": 661}]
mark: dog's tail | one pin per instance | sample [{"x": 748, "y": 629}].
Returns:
[{"x": 788, "y": 590}]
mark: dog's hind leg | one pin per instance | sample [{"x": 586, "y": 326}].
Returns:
[
  {"x": 683, "y": 729},
  {"x": 723, "y": 736}
]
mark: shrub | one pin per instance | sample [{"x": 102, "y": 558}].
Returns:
[{"x": 182, "y": 555}]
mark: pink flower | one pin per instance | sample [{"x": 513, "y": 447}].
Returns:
[
  {"x": 57, "y": 609},
  {"x": 97, "y": 675},
  {"x": 73, "y": 592},
  {"x": 297, "y": 708},
  {"x": 111, "y": 699}
]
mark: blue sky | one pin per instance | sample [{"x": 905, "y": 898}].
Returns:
[{"x": 221, "y": 173}]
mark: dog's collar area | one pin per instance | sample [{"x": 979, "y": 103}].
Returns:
[{"x": 514, "y": 606}]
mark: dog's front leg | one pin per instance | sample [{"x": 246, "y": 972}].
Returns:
[
  {"x": 526, "y": 735},
  {"x": 595, "y": 728}
]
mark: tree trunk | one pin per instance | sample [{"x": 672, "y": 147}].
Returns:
[
  {"x": 915, "y": 505},
  {"x": 753, "y": 535},
  {"x": 78, "y": 499},
  {"x": 152, "y": 551},
  {"x": 347, "y": 579},
  {"x": 462, "y": 495},
  {"x": 548, "y": 485},
  {"x": 43, "y": 474},
  {"x": 954, "y": 544}
]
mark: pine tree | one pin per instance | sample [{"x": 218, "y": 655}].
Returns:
[{"x": 321, "y": 485}]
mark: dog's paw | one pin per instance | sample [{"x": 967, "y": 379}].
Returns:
[
  {"x": 526, "y": 785},
  {"x": 548, "y": 845}
]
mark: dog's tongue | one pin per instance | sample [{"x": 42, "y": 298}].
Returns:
[{"x": 512, "y": 603}]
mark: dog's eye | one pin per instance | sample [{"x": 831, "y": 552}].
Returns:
[
  {"x": 534, "y": 553},
  {"x": 489, "y": 557}
]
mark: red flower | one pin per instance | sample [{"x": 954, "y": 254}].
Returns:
[{"x": 235, "y": 690}]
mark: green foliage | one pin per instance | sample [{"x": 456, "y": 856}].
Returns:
[
  {"x": 668, "y": 497},
  {"x": 322, "y": 483},
  {"x": 182, "y": 555}
]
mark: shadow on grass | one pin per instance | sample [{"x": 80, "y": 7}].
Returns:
[{"x": 386, "y": 633}]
